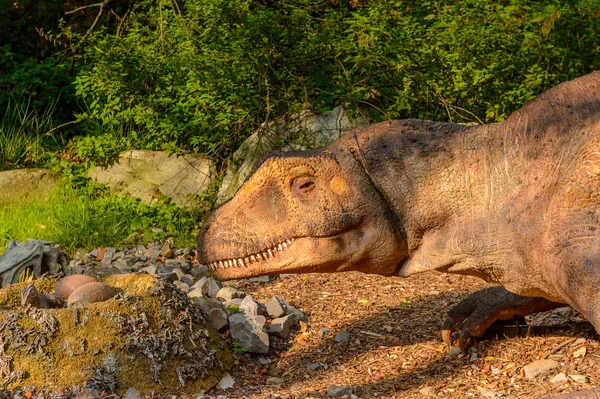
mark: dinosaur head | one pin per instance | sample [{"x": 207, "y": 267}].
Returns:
[{"x": 302, "y": 213}]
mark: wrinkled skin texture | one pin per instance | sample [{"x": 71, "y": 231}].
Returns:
[{"x": 515, "y": 203}]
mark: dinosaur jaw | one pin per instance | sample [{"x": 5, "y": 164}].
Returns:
[{"x": 340, "y": 252}]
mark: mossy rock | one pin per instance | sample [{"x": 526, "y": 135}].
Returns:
[{"x": 150, "y": 337}]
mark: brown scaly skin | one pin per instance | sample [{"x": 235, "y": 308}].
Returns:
[{"x": 516, "y": 203}]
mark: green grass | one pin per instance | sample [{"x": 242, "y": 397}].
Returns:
[
  {"x": 25, "y": 134},
  {"x": 91, "y": 218}
]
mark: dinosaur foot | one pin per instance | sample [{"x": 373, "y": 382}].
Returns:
[{"x": 475, "y": 314}]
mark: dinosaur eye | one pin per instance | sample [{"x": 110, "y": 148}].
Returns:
[{"x": 303, "y": 185}]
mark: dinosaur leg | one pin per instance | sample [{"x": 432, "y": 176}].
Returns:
[
  {"x": 593, "y": 393},
  {"x": 476, "y": 313}
]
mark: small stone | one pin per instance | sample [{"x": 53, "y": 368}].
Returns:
[
  {"x": 539, "y": 367},
  {"x": 293, "y": 311},
  {"x": 195, "y": 292},
  {"x": 188, "y": 279},
  {"x": 228, "y": 293},
  {"x": 263, "y": 360},
  {"x": 200, "y": 271},
  {"x": 86, "y": 395},
  {"x": 428, "y": 391},
  {"x": 182, "y": 286},
  {"x": 166, "y": 251},
  {"x": 578, "y": 341},
  {"x": 455, "y": 351},
  {"x": 276, "y": 306},
  {"x": 559, "y": 378},
  {"x": 342, "y": 336},
  {"x": 323, "y": 332},
  {"x": 218, "y": 319},
  {"x": 233, "y": 306},
  {"x": 132, "y": 393},
  {"x": 473, "y": 357},
  {"x": 334, "y": 391},
  {"x": 260, "y": 279},
  {"x": 226, "y": 382},
  {"x": 214, "y": 287},
  {"x": 176, "y": 274},
  {"x": 149, "y": 269},
  {"x": 275, "y": 380},
  {"x": 252, "y": 307},
  {"x": 314, "y": 366},
  {"x": 281, "y": 326},
  {"x": 489, "y": 393},
  {"x": 249, "y": 332},
  {"x": 582, "y": 379}
]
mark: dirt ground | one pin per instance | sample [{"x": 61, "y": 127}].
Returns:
[{"x": 395, "y": 349}]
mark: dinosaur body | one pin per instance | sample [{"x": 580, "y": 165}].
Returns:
[{"x": 515, "y": 203}]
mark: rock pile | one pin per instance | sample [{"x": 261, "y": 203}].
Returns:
[{"x": 250, "y": 322}]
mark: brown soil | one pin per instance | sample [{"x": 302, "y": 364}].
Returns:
[{"x": 395, "y": 349}]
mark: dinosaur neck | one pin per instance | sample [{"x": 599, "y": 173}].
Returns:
[{"x": 438, "y": 180}]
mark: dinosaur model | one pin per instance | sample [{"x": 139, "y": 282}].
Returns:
[{"x": 516, "y": 203}]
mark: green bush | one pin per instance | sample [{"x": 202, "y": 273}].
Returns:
[{"x": 203, "y": 74}]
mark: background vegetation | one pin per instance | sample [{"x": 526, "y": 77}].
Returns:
[{"x": 81, "y": 81}]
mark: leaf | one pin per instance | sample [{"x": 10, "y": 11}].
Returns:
[
  {"x": 429, "y": 17},
  {"x": 581, "y": 352}
]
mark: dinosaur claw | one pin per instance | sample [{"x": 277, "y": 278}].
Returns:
[{"x": 447, "y": 331}]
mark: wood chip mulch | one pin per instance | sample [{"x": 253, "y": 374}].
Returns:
[{"x": 395, "y": 349}]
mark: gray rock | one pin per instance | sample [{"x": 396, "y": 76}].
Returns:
[
  {"x": 295, "y": 312},
  {"x": 233, "y": 305},
  {"x": 175, "y": 274},
  {"x": 132, "y": 393},
  {"x": 281, "y": 326},
  {"x": 323, "y": 332},
  {"x": 314, "y": 366},
  {"x": 149, "y": 269},
  {"x": 342, "y": 336},
  {"x": 252, "y": 307},
  {"x": 334, "y": 391},
  {"x": 218, "y": 319},
  {"x": 21, "y": 183},
  {"x": 539, "y": 367},
  {"x": 188, "y": 279},
  {"x": 228, "y": 293},
  {"x": 182, "y": 286},
  {"x": 276, "y": 306},
  {"x": 200, "y": 271},
  {"x": 559, "y": 378},
  {"x": 275, "y": 380},
  {"x": 226, "y": 382},
  {"x": 141, "y": 173},
  {"x": 249, "y": 332},
  {"x": 195, "y": 292},
  {"x": 214, "y": 287}
]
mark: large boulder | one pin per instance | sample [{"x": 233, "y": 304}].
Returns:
[
  {"x": 150, "y": 336},
  {"x": 298, "y": 132},
  {"x": 143, "y": 174},
  {"x": 21, "y": 183}
]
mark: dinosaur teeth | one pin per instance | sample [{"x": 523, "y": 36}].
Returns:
[{"x": 246, "y": 261}]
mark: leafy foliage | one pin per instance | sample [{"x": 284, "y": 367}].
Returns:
[{"x": 202, "y": 74}]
